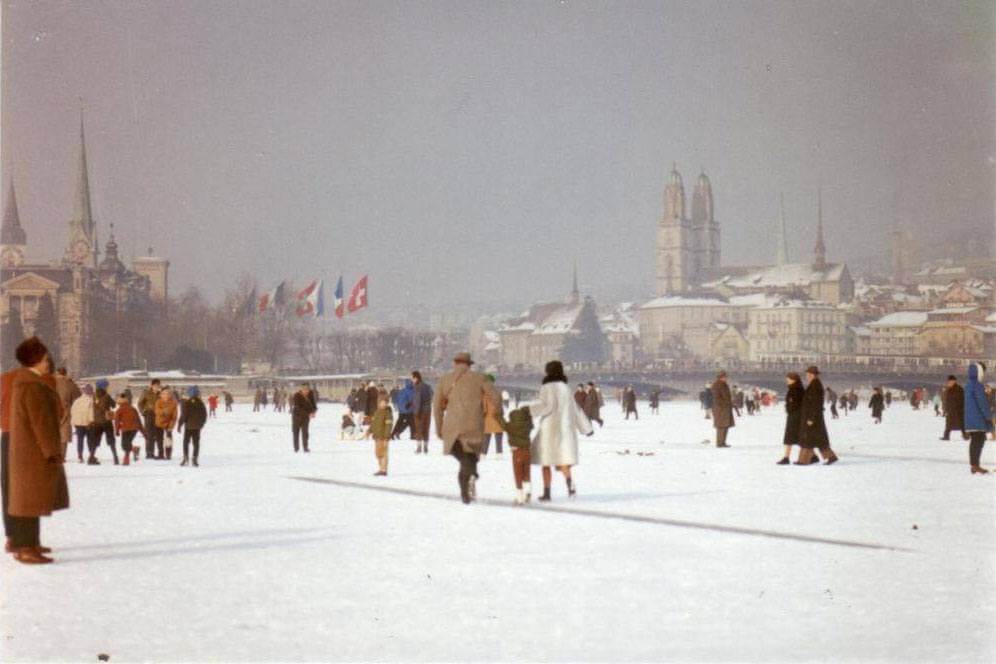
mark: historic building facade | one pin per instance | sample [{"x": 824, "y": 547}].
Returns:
[
  {"x": 687, "y": 248},
  {"x": 94, "y": 313}
]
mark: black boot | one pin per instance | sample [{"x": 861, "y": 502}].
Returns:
[
  {"x": 546, "y": 494},
  {"x": 784, "y": 462},
  {"x": 572, "y": 490}
]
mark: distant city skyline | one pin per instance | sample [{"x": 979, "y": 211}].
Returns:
[{"x": 470, "y": 153}]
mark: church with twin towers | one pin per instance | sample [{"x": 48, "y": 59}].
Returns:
[{"x": 689, "y": 253}]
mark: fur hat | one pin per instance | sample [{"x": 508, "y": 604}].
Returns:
[
  {"x": 463, "y": 358},
  {"x": 30, "y": 352}
]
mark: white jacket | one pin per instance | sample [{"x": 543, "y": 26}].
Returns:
[
  {"x": 81, "y": 412},
  {"x": 558, "y": 421}
]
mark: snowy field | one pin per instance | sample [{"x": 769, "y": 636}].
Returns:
[{"x": 693, "y": 553}]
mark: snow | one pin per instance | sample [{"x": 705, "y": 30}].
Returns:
[
  {"x": 781, "y": 276},
  {"x": 901, "y": 319},
  {"x": 693, "y": 553},
  {"x": 680, "y": 301}
]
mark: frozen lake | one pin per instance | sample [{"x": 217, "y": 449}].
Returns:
[{"x": 683, "y": 552}]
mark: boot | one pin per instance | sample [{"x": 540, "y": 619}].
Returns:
[
  {"x": 805, "y": 458},
  {"x": 520, "y": 497},
  {"x": 127, "y": 458},
  {"x": 815, "y": 459},
  {"x": 979, "y": 470},
  {"x": 31, "y": 556},
  {"x": 784, "y": 462},
  {"x": 831, "y": 457},
  {"x": 462, "y": 481},
  {"x": 572, "y": 491},
  {"x": 527, "y": 492},
  {"x": 546, "y": 494},
  {"x": 196, "y": 465},
  {"x": 184, "y": 462}
]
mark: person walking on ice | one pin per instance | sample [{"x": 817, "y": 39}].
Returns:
[
  {"x": 558, "y": 420},
  {"x": 193, "y": 417},
  {"x": 978, "y": 415},
  {"x": 381, "y": 428},
  {"x": 458, "y": 407}
]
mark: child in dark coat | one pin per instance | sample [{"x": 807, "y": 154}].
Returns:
[{"x": 519, "y": 426}]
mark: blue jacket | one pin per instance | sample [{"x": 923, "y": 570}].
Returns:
[
  {"x": 404, "y": 398},
  {"x": 978, "y": 415}
]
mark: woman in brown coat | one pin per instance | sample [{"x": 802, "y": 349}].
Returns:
[
  {"x": 722, "y": 408},
  {"x": 37, "y": 480}
]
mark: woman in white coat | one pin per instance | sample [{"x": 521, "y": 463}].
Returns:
[{"x": 558, "y": 422}]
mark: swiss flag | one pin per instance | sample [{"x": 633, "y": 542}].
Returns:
[{"x": 358, "y": 298}]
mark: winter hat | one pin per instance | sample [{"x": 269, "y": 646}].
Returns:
[
  {"x": 192, "y": 392},
  {"x": 30, "y": 352},
  {"x": 88, "y": 390},
  {"x": 813, "y": 369},
  {"x": 463, "y": 358},
  {"x": 102, "y": 384}
]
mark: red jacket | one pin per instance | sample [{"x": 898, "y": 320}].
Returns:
[{"x": 126, "y": 418}]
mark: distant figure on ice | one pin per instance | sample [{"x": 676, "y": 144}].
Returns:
[
  {"x": 421, "y": 412},
  {"x": 166, "y": 412},
  {"x": 813, "y": 434},
  {"x": 953, "y": 397},
  {"x": 34, "y": 482},
  {"x": 629, "y": 402},
  {"x": 579, "y": 395},
  {"x": 832, "y": 400},
  {"x": 705, "y": 400},
  {"x": 68, "y": 392},
  {"x": 978, "y": 415},
  {"x": 888, "y": 398},
  {"x": 793, "y": 415},
  {"x": 558, "y": 420},
  {"x": 103, "y": 421},
  {"x": 257, "y": 400},
  {"x": 381, "y": 427},
  {"x": 303, "y": 409},
  {"x": 722, "y": 408},
  {"x": 229, "y": 400},
  {"x": 213, "y": 405},
  {"x": 81, "y": 417},
  {"x": 492, "y": 423},
  {"x": 127, "y": 424},
  {"x": 877, "y": 404},
  {"x": 593, "y": 404},
  {"x": 347, "y": 430},
  {"x": 402, "y": 400},
  {"x": 193, "y": 417},
  {"x": 147, "y": 407},
  {"x": 738, "y": 400},
  {"x": 459, "y": 411},
  {"x": 655, "y": 402},
  {"x": 519, "y": 427}
]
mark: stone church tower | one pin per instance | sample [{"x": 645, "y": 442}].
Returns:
[
  {"x": 686, "y": 249},
  {"x": 82, "y": 248}
]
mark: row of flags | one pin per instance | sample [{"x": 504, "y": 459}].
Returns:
[{"x": 310, "y": 300}]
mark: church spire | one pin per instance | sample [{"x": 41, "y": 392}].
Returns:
[
  {"x": 11, "y": 232},
  {"x": 82, "y": 249},
  {"x": 820, "y": 249},
  {"x": 575, "y": 291},
  {"x": 82, "y": 212},
  {"x": 782, "y": 234}
]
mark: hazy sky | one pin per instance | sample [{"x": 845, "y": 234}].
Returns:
[{"x": 472, "y": 150}]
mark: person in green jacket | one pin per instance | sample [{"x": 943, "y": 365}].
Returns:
[
  {"x": 519, "y": 426},
  {"x": 381, "y": 426}
]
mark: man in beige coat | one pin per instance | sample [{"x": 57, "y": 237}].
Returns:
[{"x": 459, "y": 412}]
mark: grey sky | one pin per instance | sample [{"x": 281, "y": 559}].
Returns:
[{"x": 471, "y": 150}]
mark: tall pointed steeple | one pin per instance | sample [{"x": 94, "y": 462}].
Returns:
[
  {"x": 11, "y": 232},
  {"x": 820, "y": 250},
  {"x": 82, "y": 247},
  {"x": 575, "y": 291},
  {"x": 782, "y": 233}
]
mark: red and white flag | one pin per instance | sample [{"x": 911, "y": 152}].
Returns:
[
  {"x": 311, "y": 300},
  {"x": 358, "y": 298}
]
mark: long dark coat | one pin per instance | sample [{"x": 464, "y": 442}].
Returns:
[
  {"x": 954, "y": 407},
  {"x": 877, "y": 405},
  {"x": 815, "y": 434},
  {"x": 722, "y": 405},
  {"x": 37, "y": 480},
  {"x": 793, "y": 412}
]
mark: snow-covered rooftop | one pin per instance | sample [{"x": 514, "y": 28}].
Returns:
[
  {"x": 901, "y": 319},
  {"x": 781, "y": 276},
  {"x": 681, "y": 301}
]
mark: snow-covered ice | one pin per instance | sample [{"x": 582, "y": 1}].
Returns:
[{"x": 693, "y": 553}]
